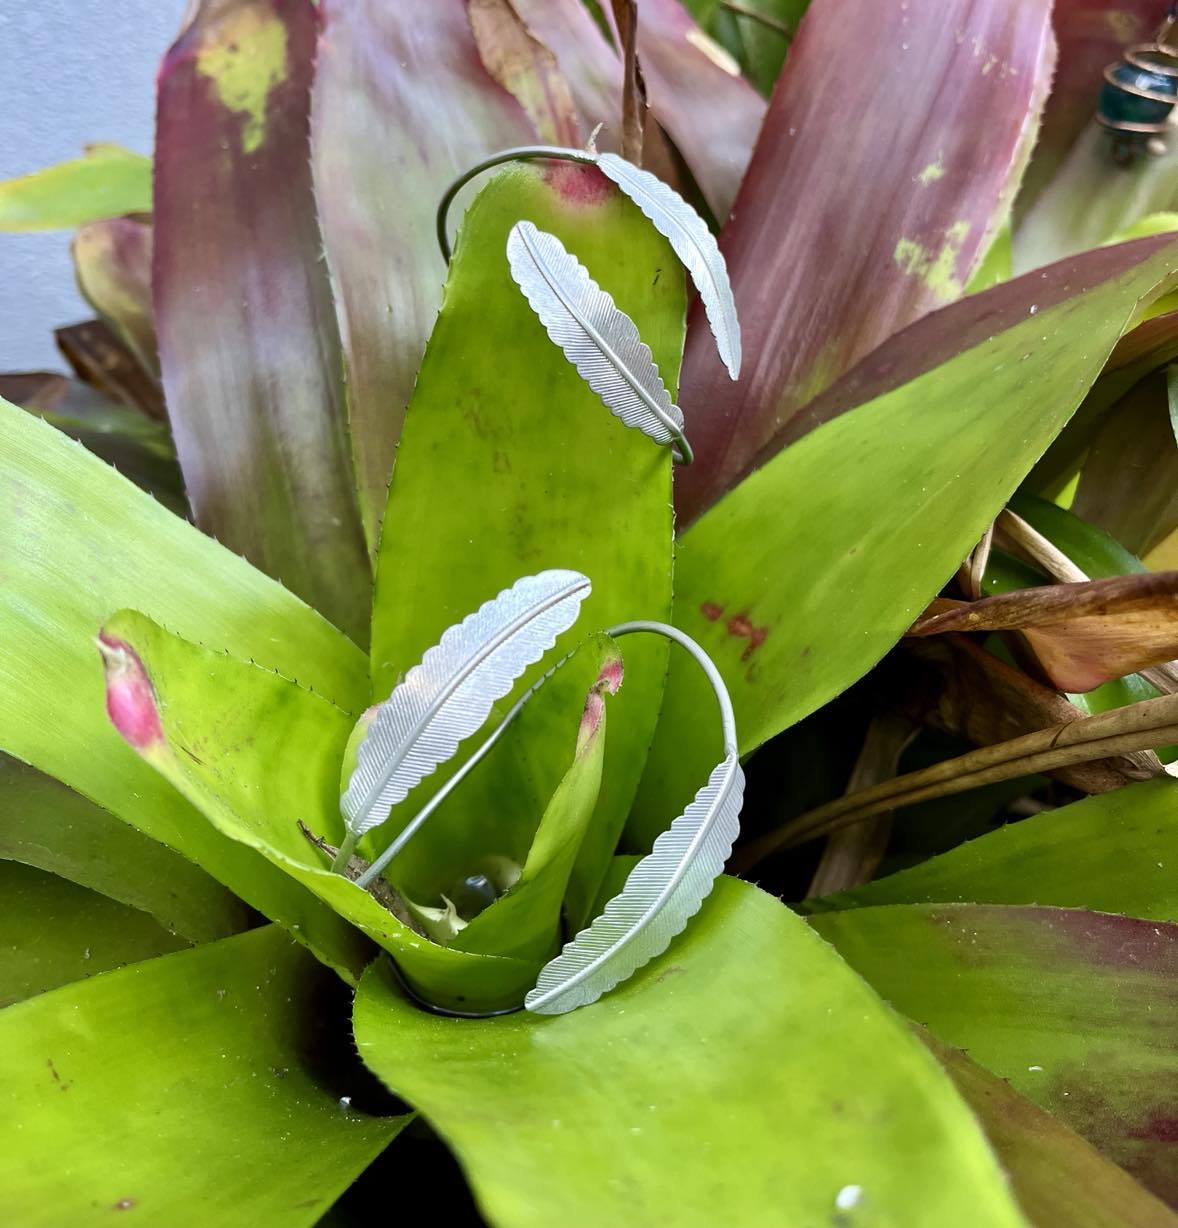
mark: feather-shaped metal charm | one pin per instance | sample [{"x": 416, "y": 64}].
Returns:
[
  {"x": 599, "y": 339},
  {"x": 692, "y": 242},
  {"x": 662, "y": 893},
  {"x": 448, "y": 696}
]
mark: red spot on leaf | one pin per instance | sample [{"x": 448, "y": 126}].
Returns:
[
  {"x": 741, "y": 626},
  {"x": 577, "y": 183},
  {"x": 711, "y": 611},
  {"x": 1160, "y": 1128}
]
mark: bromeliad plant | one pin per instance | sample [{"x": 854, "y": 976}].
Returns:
[{"x": 269, "y": 786}]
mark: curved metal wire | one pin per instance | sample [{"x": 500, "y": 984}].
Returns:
[
  {"x": 519, "y": 153},
  {"x": 638, "y": 626},
  {"x": 681, "y": 450}
]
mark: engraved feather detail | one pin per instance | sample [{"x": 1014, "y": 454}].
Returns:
[
  {"x": 692, "y": 242},
  {"x": 449, "y": 694},
  {"x": 599, "y": 339},
  {"x": 662, "y": 893}
]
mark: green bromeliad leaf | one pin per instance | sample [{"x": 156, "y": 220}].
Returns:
[
  {"x": 182, "y": 1090},
  {"x": 1110, "y": 853},
  {"x": 509, "y": 463},
  {"x": 107, "y": 182},
  {"x": 80, "y": 542},
  {"x": 46, "y": 825},
  {"x": 801, "y": 578},
  {"x": 1076, "y": 1009},
  {"x": 53, "y": 931},
  {"x": 258, "y": 755},
  {"x": 826, "y": 1110}
]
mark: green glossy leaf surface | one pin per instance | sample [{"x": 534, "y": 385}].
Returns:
[
  {"x": 1076, "y": 1009},
  {"x": 255, "y": 754},
  {"x": 509, "y": 463},
  {"x": 79, "y": 543},
  {"x": 106, "y": 182},
  {"x": 248, "y": 343},
  {"x": 1111, "y": 853},
  {"x": 183, "y": 1091},
  {"x": 744, "y": 1077},
  {"x": 46, "y": 825},
  {"x": 139, "y": 447},
  {"x": 802, "y": 577},
  {"x": 53, "y": 931}
]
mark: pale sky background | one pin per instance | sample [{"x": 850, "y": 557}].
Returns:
[{"x": 74, "y": 71}]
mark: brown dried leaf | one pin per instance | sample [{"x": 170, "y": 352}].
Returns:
[
  {"x": 951, "y": 684},
  {"x": 1083, "y": 634},
  {"x": 526, "y": 69}
]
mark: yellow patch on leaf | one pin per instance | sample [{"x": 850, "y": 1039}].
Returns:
[{"x": 245, "y": 57}]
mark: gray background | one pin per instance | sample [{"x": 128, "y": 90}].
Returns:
[{"x": 74, "y": 71}]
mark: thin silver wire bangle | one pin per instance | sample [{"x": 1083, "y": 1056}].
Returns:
[
  {"x": 723, "y": 699},
  {"x": 520, "y": 153},
  {"x": 731, "y": 750},
  {"x": 681, "y": 450}
]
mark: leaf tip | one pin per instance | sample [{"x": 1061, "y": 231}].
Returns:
[
  {"x": 609, "y": 680},
  {"x": 130, "y": 697}
]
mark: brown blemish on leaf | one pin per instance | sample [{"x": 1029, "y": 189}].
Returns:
[
  {"x": 124, "y": 1204},
  {"x": 63, "y": 1084},
  {"x": 669, "y": 971},
  {"x": 741, "y": 626},
  {"x": 711, "y": 611}
]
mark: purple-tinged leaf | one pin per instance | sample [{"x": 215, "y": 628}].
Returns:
[
  {"x": 1077, "y": 1010},
  {"x": 248, "y": 344},
  {"x": 1056, "y": 1176},
  {"x": 929, "y": 457},
  {"x": 112, "y": 261},
  {"x": 698, "y": 95},
  {"x": 586, "y": 59},
  {"x": 870, "y": 199},
  {"x": 711, "y": 115},
  {"x": 940, "y": 336},
  {"x": 402, "y": 105},
  {"x": 526, "y": 69}
]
